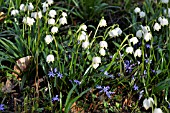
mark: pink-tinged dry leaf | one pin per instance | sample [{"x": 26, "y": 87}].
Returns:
[
  {"x": 7, "y": 88},
  {"x": 22, "y": 65}
]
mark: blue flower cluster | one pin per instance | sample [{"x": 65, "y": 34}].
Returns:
[
  {"x": 2, "y": 107},
  {"x": 128, "y": 66},
  {"x": 55, "y": 98},
  {"x": 105, "y": 90},
  {"x": 75, "y": 81},
  {"x": 135, "y": 87},
  {"x": 54, "y": 72}
]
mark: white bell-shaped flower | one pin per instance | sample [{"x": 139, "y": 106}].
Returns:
[
  {"x": 156, "y": 27},
  {"x": 157, "y": 110},
  {"x": 138, "y": 53},
  {"x": 103, "y": 44},
  {"x": 147, "y": 103},
  {"x": 51, "y": 21},
  {"x": 147, "y": 36},
  {"x": 85, "y": 44},
  {"x": 102, "y": 52},
  {"x": 139, "y": 33},
  {"x": 63, "y": 20},
  {"x": 52, "y": 13},
  {"x": 50, "y": 58},
  {"x": 54, "y": 29},
  {"x": 30, "y": 7},
  {"x": 134, "y": 40},
  {"x": 142, "y": 14},
  {"x": 48, "y": 39},
  {"x": 137, "y": 10},
  {"x": 129, "y": 50}
]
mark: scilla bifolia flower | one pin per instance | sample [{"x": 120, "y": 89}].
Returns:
[
  {"x": 50, "y": 58},
  {"x": 147, "y": 103},
  {"x": 2, "y": 107},
  {"x": 55, "y": 98}
]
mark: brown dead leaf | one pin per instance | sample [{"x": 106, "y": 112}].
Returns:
[
  {"x": 127, "y": 102},
  {"x": 22, "y": 65},
  {"x": 76, "y": 109},
  {"x": 7, "y": 88},
  {"x": 2, "y": 16}
]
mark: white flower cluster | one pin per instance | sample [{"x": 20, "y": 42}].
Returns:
[
  {"x": 103, "y": 46},
  {"x": 163, "y": 22},
  {"x": 36, "y": 15},
  {"x": 51, "y": 21},
  {"x": 15, "y": 12},
  {"x": 46, "y": 4},
  {"x": 115, "y": 32},
  {"x": 145, "y": 33},
  {"x": 63, "y": 19},
  {"x": 141, "y": 13},
  {"x": 147, "y": 103},
  {"x": 83, "y": 37}
]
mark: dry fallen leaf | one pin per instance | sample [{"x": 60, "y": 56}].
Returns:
[
  {"x": 7, "y": 88},
  {"x": 22, "y": 65},
  {"x": 75, "y": 109},
  {"x": 2, "y": 16}
]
